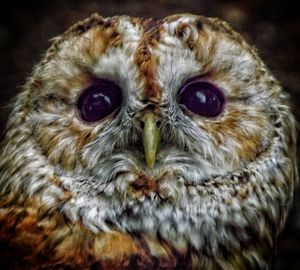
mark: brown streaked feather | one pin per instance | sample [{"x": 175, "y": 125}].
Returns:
[{"x": 146, "y": 61}]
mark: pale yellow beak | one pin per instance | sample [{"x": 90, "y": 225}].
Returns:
[{"x": 151, "y": 137}]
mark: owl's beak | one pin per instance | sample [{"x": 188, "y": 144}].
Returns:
[{"x": 151, "y": 137}]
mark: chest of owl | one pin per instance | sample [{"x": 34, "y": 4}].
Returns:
[{"x": 147, "y": 144}]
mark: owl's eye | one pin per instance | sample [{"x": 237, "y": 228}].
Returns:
[
  {"x": 99, "y": 100},
  {"x": 202, "y": 98}
]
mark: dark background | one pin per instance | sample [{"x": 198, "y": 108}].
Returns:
[{"x": 273, "y": 27}]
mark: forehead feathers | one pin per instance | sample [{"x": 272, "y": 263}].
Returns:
[{"x": 185, "y": 44}]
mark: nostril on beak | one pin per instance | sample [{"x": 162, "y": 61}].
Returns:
[{"x": 158, "y": 123}]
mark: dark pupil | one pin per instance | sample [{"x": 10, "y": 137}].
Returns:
[
  {"x": 99, "y": 100},
  {"x": 202, "y": 98}
]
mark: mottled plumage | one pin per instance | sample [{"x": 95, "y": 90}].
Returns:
[{"x": 76, "y": 195}]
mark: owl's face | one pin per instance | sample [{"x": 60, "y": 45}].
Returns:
[{"x": 168, "y": 127}]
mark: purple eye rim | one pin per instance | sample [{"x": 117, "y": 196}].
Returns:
[
  {"x": 202, "y": 79},
  {"x": 93, "y": 83}
]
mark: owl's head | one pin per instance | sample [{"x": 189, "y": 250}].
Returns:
[
  {"x": 184, "y": 95},
  {"x": 172, "y": 127}
]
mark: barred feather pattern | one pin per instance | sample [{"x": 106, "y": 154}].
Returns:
[{"x": 80, "y": 196}]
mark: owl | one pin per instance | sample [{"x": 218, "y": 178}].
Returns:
[{"x": 147, "y": 144}]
